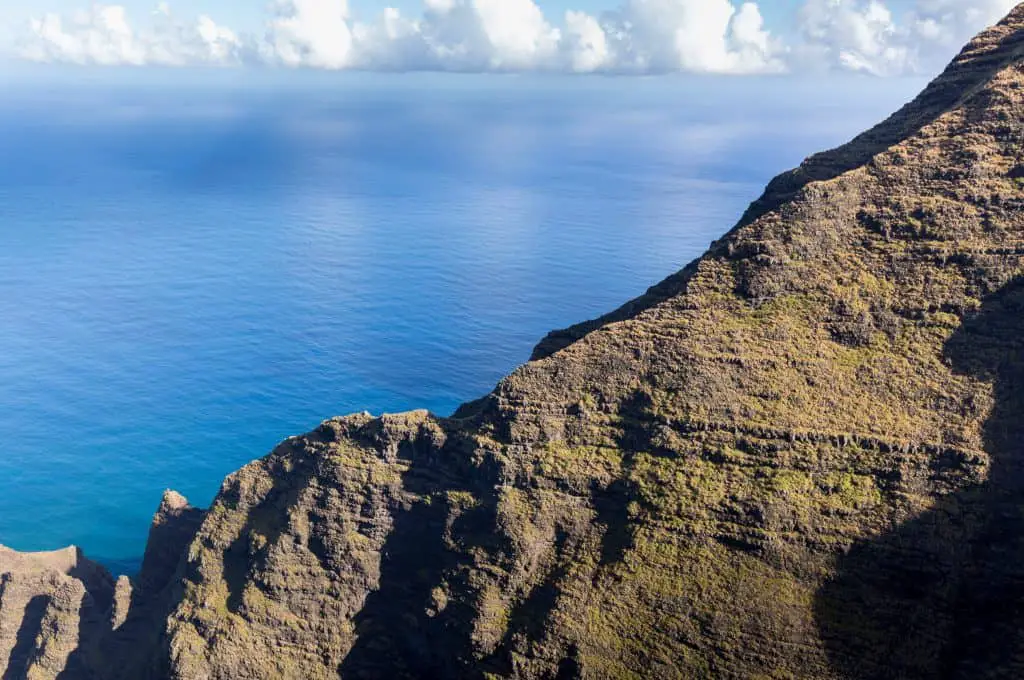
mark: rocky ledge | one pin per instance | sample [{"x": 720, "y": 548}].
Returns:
[{"x": 800, "y": 457}]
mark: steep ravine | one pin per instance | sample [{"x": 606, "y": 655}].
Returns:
[{"x": 800, "y": 457}]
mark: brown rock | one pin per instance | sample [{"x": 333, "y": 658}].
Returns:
[{"x": 63, "y": 616}]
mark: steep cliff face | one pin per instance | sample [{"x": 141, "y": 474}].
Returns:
[{"x": 797, "y": 458}]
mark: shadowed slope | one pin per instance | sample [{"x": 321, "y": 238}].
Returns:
[{"x": 942, "y": 596}]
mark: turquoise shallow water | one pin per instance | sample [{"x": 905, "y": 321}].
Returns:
[{"x": 193, "y": 268}]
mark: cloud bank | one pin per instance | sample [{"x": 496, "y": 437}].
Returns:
[
  {"x": 866, "y": 36},
  {"x": 638, "y": 37},
  {"x": 103, "y": 35}
]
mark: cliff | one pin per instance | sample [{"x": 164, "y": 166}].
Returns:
[
  {"x": 64, "y": 616},
  {"x": 797, "y": 458}
]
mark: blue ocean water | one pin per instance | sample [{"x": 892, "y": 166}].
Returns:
[{"x": 193, "y": 267}]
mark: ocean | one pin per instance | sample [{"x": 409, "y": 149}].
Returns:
[{"x": 194, "y": 266}]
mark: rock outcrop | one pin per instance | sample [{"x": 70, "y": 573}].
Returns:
[
  {"x": 52, "y": 606},
  {"x": 800, "y": 457},
  {"x": 64, "y": 616}
]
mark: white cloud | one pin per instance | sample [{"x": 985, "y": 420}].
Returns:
[
  {"x": 585, "y": 43},
  {"x": 867, "y": 36},
  {"x": 311, "y": 33},
  {"x": 515, "y": 31},
  {"x": 103, "y": 35},
  {"x": 704, "y": 36},
  {"x": 640, "y": 36},
  {"x": 947, "y": 23},
  {"x": 854, "y": 35},
  {"x": 468, "y": 35}
]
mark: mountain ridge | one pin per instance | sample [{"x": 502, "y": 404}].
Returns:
[{"x": 1002, "y": 42}]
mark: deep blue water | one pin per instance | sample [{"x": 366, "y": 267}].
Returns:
[{"x": 194, "y": 267}]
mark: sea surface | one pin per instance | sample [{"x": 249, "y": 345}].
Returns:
[{"x": 194, "y": 266}]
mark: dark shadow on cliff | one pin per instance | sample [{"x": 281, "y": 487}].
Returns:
[
  {"x": 136, "y": 646},
  {"x": 93, "y": 618},
  {"x": 529, "y": 618},
  {"x": 133, "y": 649},
  {"x": 942, "y": 596},
  {"x": 264, "y": 524},
  {"x": 419, "y": 622},
  {"x": 25, "y": 639},
  {"x": 638, "y": 434}
]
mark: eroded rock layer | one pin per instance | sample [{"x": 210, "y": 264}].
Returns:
[{"x": 800, "y": 457}]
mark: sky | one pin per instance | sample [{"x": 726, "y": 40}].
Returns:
[{"x": 625, "y": 37}]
